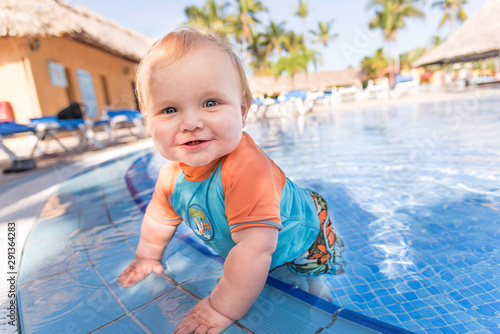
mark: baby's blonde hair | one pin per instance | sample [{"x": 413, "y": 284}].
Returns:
[{"x": 178, "y": 43}]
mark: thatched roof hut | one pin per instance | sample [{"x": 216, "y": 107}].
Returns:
[
  {"x": 53, "y": 54},
  {"x": 312, "y": 81},
  {"x": 477, "y": 38},
  {"x": 56, "y": 18}
]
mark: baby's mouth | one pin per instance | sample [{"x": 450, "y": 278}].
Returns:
[{"x": 194, "y": 142}]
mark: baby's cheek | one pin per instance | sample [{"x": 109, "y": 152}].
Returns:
[{"x": 160, "y": 145}]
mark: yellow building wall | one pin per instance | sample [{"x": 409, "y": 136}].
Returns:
[
  {"x": 16, "y": 81},
  {"x": 34, "y": 83},
  {"x": 119, "y": 74}
]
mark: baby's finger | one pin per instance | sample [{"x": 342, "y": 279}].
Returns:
[
  {"x": 131, "y": 279},
  {"x": 121, "y": 277},
  {"x": 201, "y": 330},
  {"x": 190, "y": 312},
  {"x": 214, "y": 331},
  {"x": 187, "y": 326},
  {"x": 139, "y": 275},
  {"x": 158, "y": 269},
  {"x": 125, "y": 272}
]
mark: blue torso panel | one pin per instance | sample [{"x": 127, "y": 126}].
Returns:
[{"x": 202, "y": 207}]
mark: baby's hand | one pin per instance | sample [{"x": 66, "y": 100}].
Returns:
[
  {"x": 137, "y": 270},
  {"x": 203, "y": 318}
]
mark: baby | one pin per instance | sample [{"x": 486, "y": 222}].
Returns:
[{"x": 194, "y": 93}]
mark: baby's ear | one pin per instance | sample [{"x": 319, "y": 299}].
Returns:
[{"x": 244, "y": 112}]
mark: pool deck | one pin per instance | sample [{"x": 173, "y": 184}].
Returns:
[{"x": 24, "y": 194}]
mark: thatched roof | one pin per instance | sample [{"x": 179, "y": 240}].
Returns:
[
  {"x": 311, "y": 81},
  {"x": 47, "y": 18},
  {"x": 477, "y": 38}
]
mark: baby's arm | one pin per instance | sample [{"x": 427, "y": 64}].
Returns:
[
  {"x": 245, "y": 273},
  {"x": 154, "y": 239}
]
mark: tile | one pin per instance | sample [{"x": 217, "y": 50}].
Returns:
[
  {"x": 76, "y": 299},
  {"x": 368, "y": 296},
  {"x": 438, "y": 322},
  {"x": 122, "y": 325},
  {"x": 53, "y": 228},
  {"x": 489, "y": 324},
  {"x": 140, "y": 293},
  {"x": 414, "y": 327},
  {"x": 181, "y": 264},
  {"x": 275, "y": 312},
  {"x": 201, "y": 287},
  {"x": 50, "y": 257},
  {"x": 472, "y": 326},
  {"x": 93, "y": 216},
  {"x": 397, "y": 308},
  {"x": 374, "y": 303},
  {"x": 166, "y": 313},
  {"x": 428, "y": 312},
  {"x": 486, "y": 310},
  {"x": 410, "y": 296},
  {"x": 102, "y": 241},
  {"x": 403, "y": 318},
  {"x": 363, "y": 288},
  {"x": 487, "y": 286}
]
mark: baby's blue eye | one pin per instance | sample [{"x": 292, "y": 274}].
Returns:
[
  {"x": 169, "y": 110},
  {"x": 210, "y": 104}
]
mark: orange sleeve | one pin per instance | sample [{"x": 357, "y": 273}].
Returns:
[
  {"x": 252, "y": 185},
  {"x": 159, "y": 208}
]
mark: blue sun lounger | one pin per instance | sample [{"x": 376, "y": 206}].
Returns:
[
  {"x": 128, "y": 118},
  {"x": 48, "y": 126},
  {"x": 294, "y": 102},
  {"x": 260, "y": 108},
  {"x": 18, "y": 164}
]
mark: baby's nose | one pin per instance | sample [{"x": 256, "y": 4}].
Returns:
[{"x": 191, "y": 121}]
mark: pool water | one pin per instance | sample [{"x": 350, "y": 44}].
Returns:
[
  {"x": 414, "y": 192},
  {"x": 416, "y": 197}
]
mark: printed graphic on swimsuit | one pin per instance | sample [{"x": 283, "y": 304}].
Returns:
[{"x": 200, "y": 223}]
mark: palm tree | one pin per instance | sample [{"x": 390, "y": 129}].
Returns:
[
  {"x": 211, "y": 17},
  {"x": 302, "y": 11},
  {"x": 195, "y": 213},
  {"x": 275, "y": 37},
  {"x": 310, "y": 56},
  {"x": 261, "y": 51},
  {"x": 411, "y": 56},
  {"x": 436, "y": 40},
  {"x": 390, "y": 16},
  {"x": 295, "y": 62},
  {"x": 246, "y": 19},
  {"x": 373, "y": 66},
  {"x": 289, "y": 64},
  {"x": 293, "y": 42},
  {"x": 323, "y": 34},
  {"x": 451, "y": 8}
]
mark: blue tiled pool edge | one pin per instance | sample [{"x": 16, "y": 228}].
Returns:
[{"x": 138, "y": 172}]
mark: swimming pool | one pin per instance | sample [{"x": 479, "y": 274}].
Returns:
[
  {"x": 416, "y": 196},
  {"x": 416, "y": 191}
]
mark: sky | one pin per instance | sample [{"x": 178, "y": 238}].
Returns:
[{"x": 351, "y": 17}]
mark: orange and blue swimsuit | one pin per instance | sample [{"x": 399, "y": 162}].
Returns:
[{"x": 242, "y": 189}]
